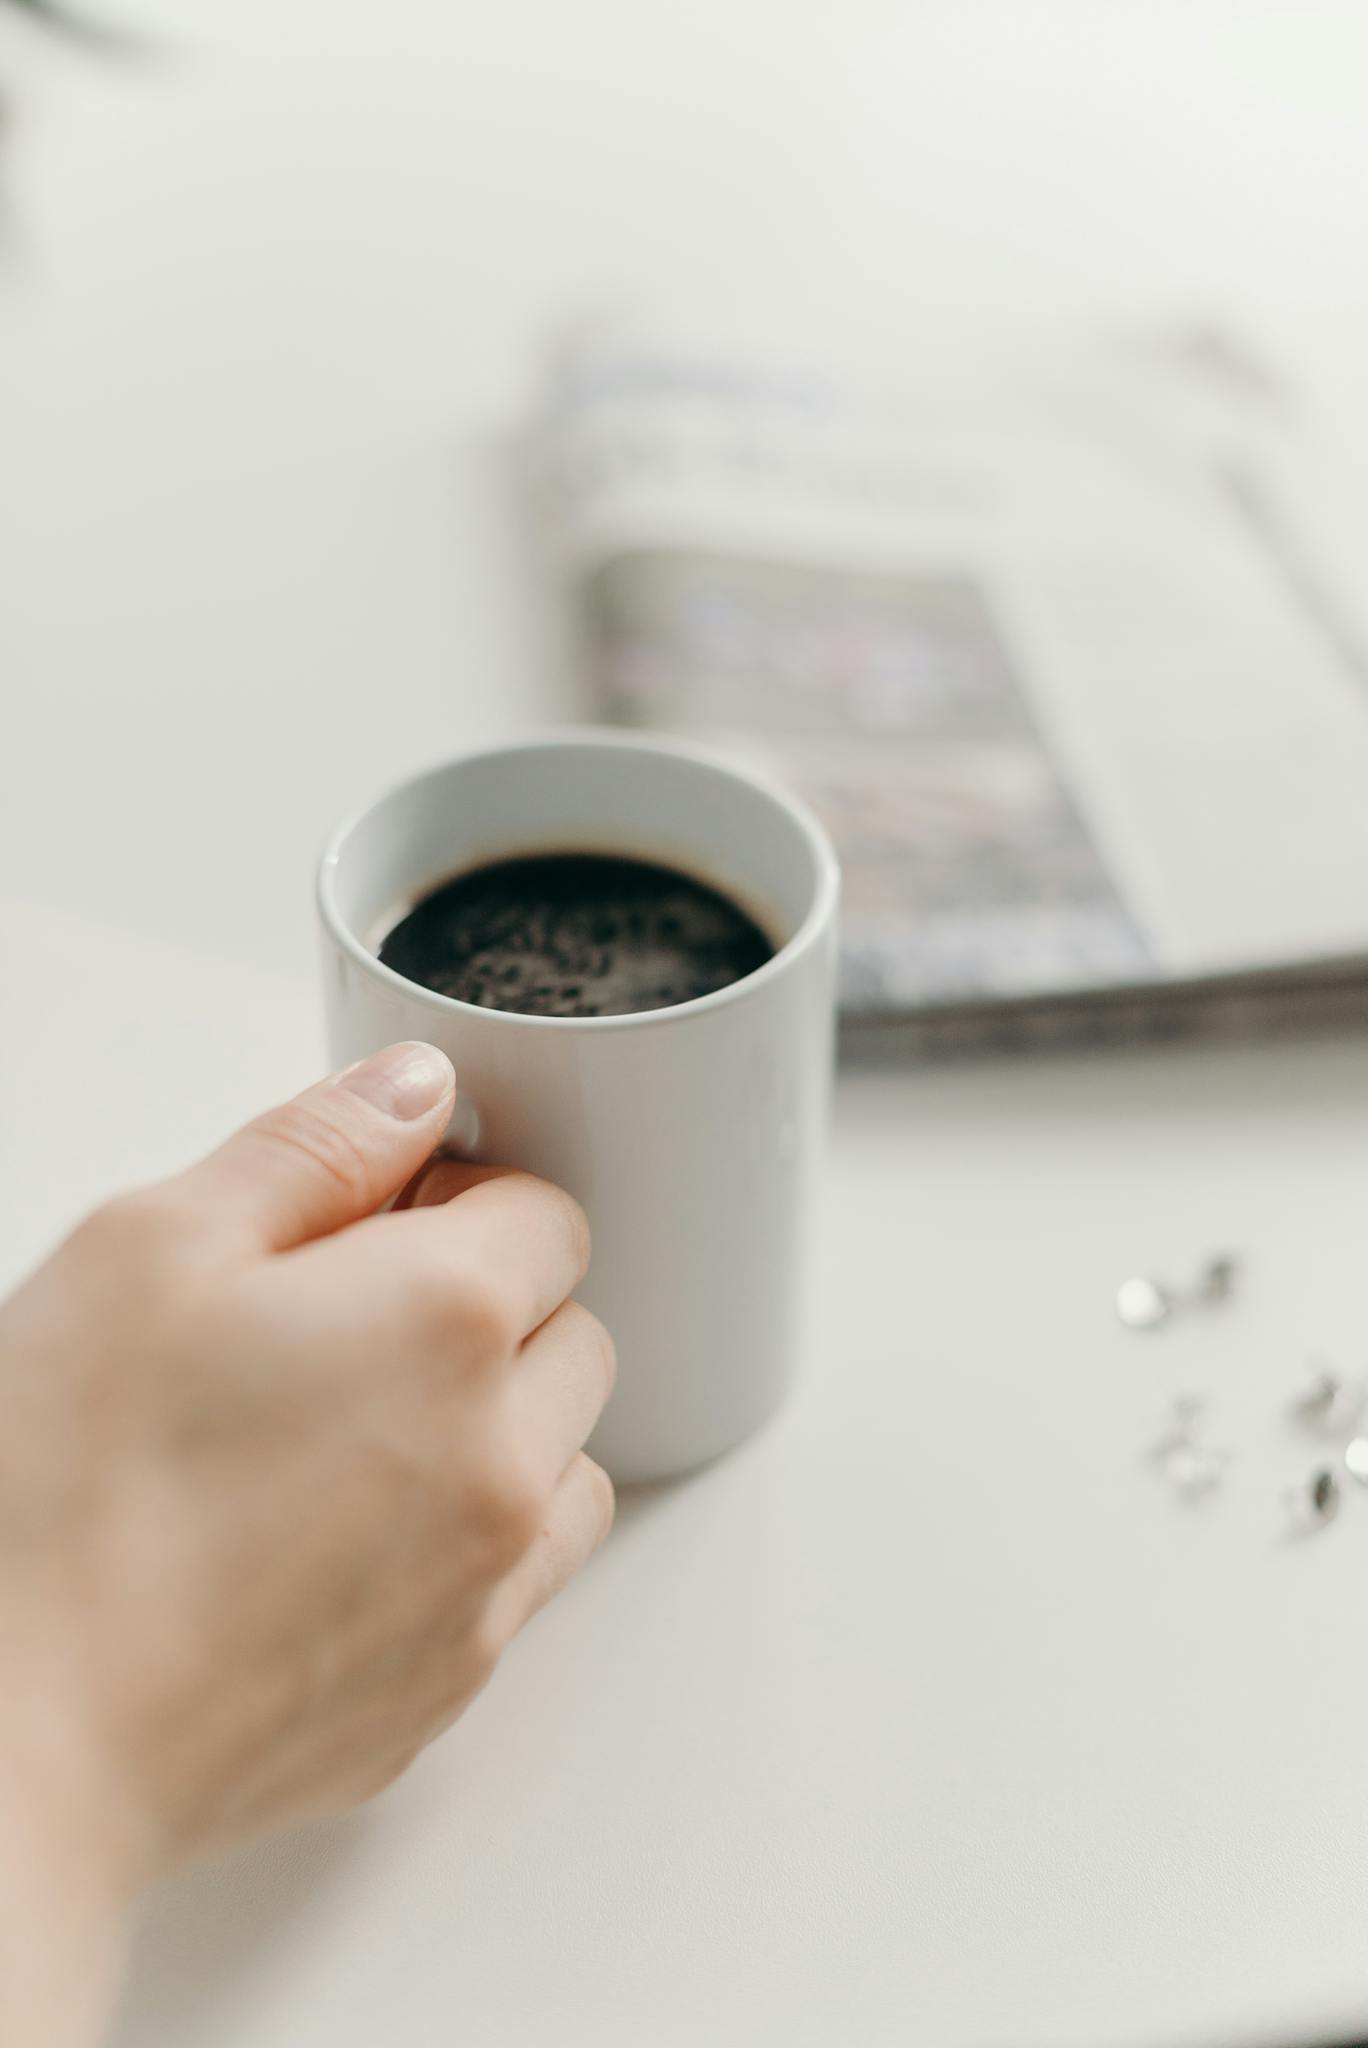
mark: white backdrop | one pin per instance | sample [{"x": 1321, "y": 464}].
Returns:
[{"x": 930, "y": 1717}]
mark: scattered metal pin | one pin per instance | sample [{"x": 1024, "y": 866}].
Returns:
[
  {"x": 1144, "y": 1303},
  {"x": 1317, "y": 1502},
  {"x": 1319, "y": 1397},
  {"x": 1196, "y": 1468},
  {"x": 1329, "y": 1402},
  {"x": 1218, "y": 1277},
  {"x": 1325, "y": 1496},
  {"x": 1350, "y": 1406},
  {"x": 1193, "y": 1467}
]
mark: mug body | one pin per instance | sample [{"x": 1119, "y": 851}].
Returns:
[{"x": 692, "y": 1135}]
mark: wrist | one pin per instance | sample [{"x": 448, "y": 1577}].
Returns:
[
  {"x": 62, "y": 1922},
  {"x": 65, "y": 1891}
]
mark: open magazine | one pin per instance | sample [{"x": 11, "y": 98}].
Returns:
[{"x": 1064, "y": 673}]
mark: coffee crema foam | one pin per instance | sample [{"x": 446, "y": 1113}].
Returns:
[{"x": 575, "y": 935}]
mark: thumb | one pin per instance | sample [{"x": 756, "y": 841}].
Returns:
[{"x": 334, "y": 1153}]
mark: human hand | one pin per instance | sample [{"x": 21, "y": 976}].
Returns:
[{"x": 281, "y": 1476}]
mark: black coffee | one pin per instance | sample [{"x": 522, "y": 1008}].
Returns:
[{"x": 575, "y": 935}]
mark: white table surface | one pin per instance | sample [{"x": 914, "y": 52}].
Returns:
[{"x": 932, "y": 1715}]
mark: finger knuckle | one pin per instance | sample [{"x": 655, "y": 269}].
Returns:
[
  {"x": 603, "y": 1498},
  {"x": 587, "y": 1337},
  {"x": 604, "y": 1351},
  {"x": 484, "y": 1647},
  {"x": 506, "y": 1508},
  {"x": 327, "y": 1144},
  {"x": 433, "y": 1299},
  {"x": 569, "y": 1217},
  {"x": 577, "y": 1229},
  {"x": 479, "y": 1313}
]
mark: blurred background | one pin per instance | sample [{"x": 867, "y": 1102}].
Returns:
[{"x": 278, "y": 284}]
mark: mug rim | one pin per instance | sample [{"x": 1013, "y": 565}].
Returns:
[{"x": 605, "y": 739}]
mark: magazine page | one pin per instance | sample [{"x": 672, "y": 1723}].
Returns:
[{"x": 973, "y": 636}]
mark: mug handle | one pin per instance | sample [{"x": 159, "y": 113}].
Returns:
[{"x": 462, "y": 1137}]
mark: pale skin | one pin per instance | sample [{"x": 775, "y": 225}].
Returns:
[{"x": 280, "y": 1478}]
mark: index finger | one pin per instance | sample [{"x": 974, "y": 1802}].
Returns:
[{"x": 515, "y": 1244}]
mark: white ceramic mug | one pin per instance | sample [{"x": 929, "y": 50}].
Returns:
[{"x": 691, "y": 1135}]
